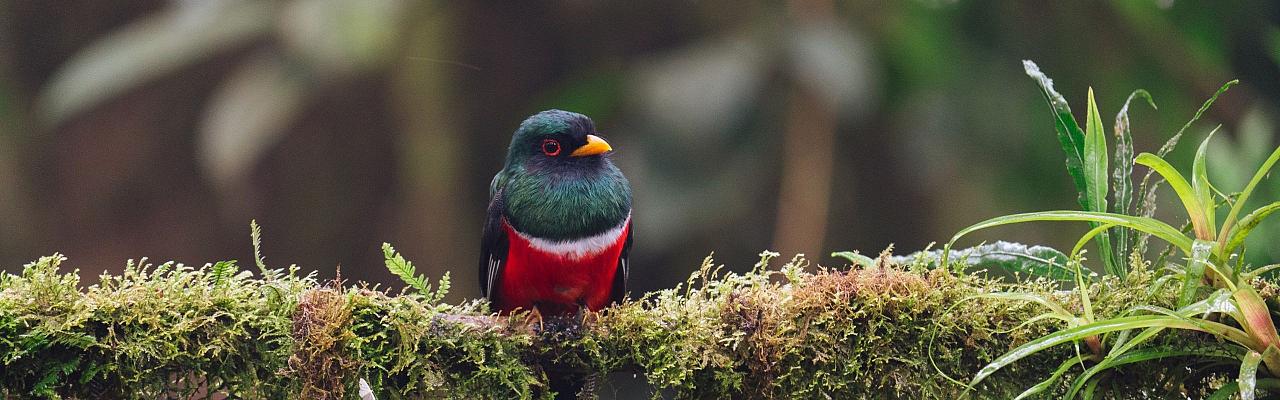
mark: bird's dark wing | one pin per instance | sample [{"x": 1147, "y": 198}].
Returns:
[
  {"x": 493, "y": 248},
  {"x": 619, "y": 292}
]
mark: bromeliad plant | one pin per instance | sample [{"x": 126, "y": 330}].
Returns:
[{"x": 1233, "y": 310}]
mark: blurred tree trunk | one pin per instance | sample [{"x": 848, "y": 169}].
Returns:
[{"x": 805, "y": 192}]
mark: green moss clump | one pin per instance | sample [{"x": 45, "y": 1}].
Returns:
[
  {"x": 152, "y": 332},
  {"x": 798, "y": 331}
]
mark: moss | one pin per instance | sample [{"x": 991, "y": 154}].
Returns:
[
  {"x": 321, "y": 334},
  {"x": 797, "y": 331}
]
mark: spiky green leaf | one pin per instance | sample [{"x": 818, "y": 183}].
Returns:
[
  {"x": 1053, "y": 379},
  {"x": 1038, "y": 261},
  {"x": 1246, "y": 225},
  {"x": 1190, "y": 200},
  {"x": 1070, "y": 136},
  {"x": 1194, "y": 277},
  {"x": 1144, "y": 224},
  {"x": 1146, "y": 189},
  {"x": 1202, "y": 188},
  {"x": 1139, "y": 356},
  {"x": 1096, "y": 183},
  {"x": 1248, "y": 378},
  {"x": 1122, "y": 175},
  {"x": 1078, "y": 333},
  {"x": 1227, "y": 224}
]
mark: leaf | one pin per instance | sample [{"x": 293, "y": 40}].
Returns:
[
  {"x": 1218, "y": 302},
  {"x": 1015, "y": 258},
  {"x": 1095, "y": 159},
  {"x": 1260, "y": 271},
  {"x": 403, "y": 269},
  {"x": 1256, "y": 317},
  {"x": 1149, "y": 192},
  {"x": 1202, "y": 189},
  {"x": 1092, "y": 233},
  {"x": 1089, "y": 390},
  {"x": 1270, "y": 359},
  {"x": 1056, "y": 311},
  {"x": 855, "y": 258},
  {"x": 1224, "y": 392},
  {"x": 1190, "y": 201},
  {"x": 1248, "y": 378},
  {"x": 220, "y": 271},
  {"x": 255, "y": 235},
  {"x": 1019, "y": 258},
  {"x": 1244, "y": 195},
  {"x": 1096, "y": 186},
  {"x": 1070, "y": 136},
  {"x": 408, "y": 273},
  {"x": 1144, "y": 224},
  {"x": 153, "y": 46},
  {"x": 1135, "y": 357},
  {"x": 1057, "y": 374},
  {"x": 1246, "y": 225},
  {"x": 1077, "y": 333},
  {"x": 1173, "y": 141},
  {"x": 1194, "y": 277},
  {"x": 1122, "y": 177}
]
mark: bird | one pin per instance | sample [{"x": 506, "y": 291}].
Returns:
[{"x": 557, "y": 232}]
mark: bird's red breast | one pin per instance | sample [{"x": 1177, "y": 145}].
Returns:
[{"x": 559, "y": 276}]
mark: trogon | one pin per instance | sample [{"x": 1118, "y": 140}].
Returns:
[{"x": 558, "y": 228}]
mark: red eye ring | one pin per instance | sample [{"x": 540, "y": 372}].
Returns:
[{"x": 551, "y": 147}]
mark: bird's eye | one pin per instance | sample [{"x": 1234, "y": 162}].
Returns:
[{"x": 551, "y": 147}]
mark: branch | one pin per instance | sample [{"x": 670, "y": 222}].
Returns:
[{"x": 170, "y": 331}]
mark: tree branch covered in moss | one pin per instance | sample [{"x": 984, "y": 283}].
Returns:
[{"x": 794, "y": 331}]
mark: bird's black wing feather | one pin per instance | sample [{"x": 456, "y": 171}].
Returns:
[
  {"x": 619, "y": 291},
  {"x": 493, "y": 249}
]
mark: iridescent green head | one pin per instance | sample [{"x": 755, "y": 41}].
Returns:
[{"x": 558, "y": 182}]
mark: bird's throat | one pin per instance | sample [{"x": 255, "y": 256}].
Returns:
[
  {"x": 576, "y": 249},
  {"x": 560, "y": 208}
]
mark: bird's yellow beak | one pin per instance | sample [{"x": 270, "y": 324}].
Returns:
[{"x": 595, "y": 145}]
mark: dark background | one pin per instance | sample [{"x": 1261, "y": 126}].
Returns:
[{"x": 160, "y": 129}]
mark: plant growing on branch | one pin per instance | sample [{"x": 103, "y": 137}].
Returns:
[{"x": 1232, "y": 309}]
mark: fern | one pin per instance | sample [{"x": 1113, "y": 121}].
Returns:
[
  {"x": 221, "y": 271},
  {"x": 255, "y": 234},
  {"x": 403, "y": 268},
  {"x": 407, "y": 273}
]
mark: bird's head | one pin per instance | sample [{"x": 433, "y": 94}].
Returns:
[
  {"x": 558, "y": 182},
  {"x": 556, "y": 140}
]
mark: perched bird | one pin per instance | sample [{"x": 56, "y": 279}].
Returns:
[{"x": 558, "y": 228}]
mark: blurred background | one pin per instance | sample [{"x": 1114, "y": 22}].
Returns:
[{"x": 161, "y": 128}]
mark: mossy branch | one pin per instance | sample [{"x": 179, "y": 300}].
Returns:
[{"x": 797, "y": 331}]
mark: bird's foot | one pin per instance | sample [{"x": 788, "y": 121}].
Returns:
[
  {"x": 534, "y": 316},
  {"x": 585, "y": 316}
]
